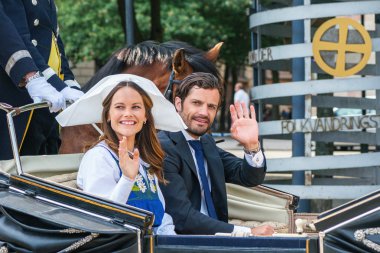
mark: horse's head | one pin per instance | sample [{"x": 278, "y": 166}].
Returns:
[
  {"x": 165, "y": 64},
  {"x": 181, "y": 68}
]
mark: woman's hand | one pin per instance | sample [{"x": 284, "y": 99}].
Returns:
[{"x": 128, "y": 165}]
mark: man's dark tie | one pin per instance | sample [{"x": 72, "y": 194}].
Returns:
[{"x": 196, "y": 145}]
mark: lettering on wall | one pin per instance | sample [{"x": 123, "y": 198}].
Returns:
[
  {"x": 330, "y": 124},
  {"x": 261, "y": 55}
]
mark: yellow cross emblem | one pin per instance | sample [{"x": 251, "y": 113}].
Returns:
[{"x": 341, "y": 47}]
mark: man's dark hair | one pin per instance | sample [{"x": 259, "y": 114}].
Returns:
[{"x": 201, "y": 80}]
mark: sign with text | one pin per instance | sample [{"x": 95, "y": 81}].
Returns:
[
  {"x": 330, "y": 124},
  {"x": 261, "y": 55}
]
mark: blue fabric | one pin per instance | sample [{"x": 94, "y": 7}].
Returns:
[
  {"x": 148, "y": 200},
  {"x": 197, "y": 146},
  {"x": 246, "y": 244}
]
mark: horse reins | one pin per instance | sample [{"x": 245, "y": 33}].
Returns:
[{"x": 169, "y": 88}]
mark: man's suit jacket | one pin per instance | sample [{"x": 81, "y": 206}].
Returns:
[{"x": 183, "y": 193}]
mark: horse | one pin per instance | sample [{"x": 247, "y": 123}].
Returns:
[{"x": 165, "y": 64}]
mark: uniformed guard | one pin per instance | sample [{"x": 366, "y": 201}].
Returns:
[{"x": 49, "y": 77}]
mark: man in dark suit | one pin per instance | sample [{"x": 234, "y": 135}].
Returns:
[{"x": 197, "y": 170}]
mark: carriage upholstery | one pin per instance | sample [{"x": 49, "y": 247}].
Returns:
[
  {"x": 261, "y": 205},
  {"x": 247, "y": 206},
  {"x": 45, "y": 165}
]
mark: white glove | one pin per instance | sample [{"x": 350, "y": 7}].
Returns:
[
  {"x": 40, "y": 90},
  {"x": 71, "y": 94},
  {"x": 72, "y": 83}
]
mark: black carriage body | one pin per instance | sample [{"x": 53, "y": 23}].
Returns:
[
  {"x": 223, "y": 244},
  {"x": 352, "y": 227},
  {"x": 39, "y": 216}
]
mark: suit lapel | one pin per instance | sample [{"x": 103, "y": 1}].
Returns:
[{"x": 182, "y": 145}]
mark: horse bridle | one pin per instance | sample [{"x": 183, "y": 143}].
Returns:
[{"x": 169, "y": 88}]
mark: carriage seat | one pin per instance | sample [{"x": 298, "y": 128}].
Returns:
[
  {"x": 261, "y": 205},
  {"x": 247, "y": 206},
  {"x": 61, "y": 169},
  {"x": 250, "y": 207},
  {"x": 69, "y": 179},
  {"x": 45, "y": 165}
]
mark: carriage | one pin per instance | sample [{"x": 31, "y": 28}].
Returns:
[{"x": 42, "y": 211}]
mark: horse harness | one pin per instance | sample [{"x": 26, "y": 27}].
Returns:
[{"x": 169, "y": 88}]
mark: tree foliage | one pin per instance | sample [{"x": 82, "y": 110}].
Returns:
[
  {"x": 93, "y": 29},
  {"x": 203, "y": 24}
]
